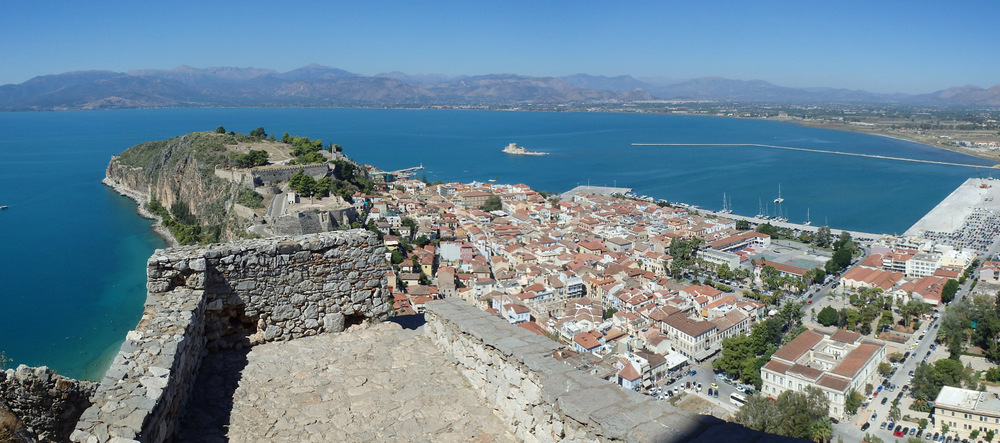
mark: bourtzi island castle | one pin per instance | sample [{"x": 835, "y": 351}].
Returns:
[{"x": 309, "y": 298}]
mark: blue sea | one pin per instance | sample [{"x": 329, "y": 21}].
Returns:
[{"x": 73, "y": 252}]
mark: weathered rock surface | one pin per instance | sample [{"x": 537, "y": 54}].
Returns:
[
  {"x": 47, "y": 403},
  {"x": 229, "y": 296},
  {"x": 374, "y": 383}
]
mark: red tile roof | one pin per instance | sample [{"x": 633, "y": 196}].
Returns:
[
  {"x": 855, "y": 360},
  {"x": 795, "y": 348},
  {"x": 845, "y": 336}
]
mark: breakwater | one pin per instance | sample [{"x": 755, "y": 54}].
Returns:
[
  {"x": 818, "y": 151},
  {"x": 227, "y": 296}
]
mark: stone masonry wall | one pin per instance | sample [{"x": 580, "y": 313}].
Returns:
[
  {"x": 229, "y": 296},
  {"x": 47, "y": 403},
  {"x": 273, "y": 175},
  {"x": 542, "y": 399}
]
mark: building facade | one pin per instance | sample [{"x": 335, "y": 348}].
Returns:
[
  {"x": 965, "y": 410},
  {"x": 835, "y": 363}
]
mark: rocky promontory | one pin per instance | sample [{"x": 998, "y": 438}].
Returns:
[{"x": 208, "y": 187}]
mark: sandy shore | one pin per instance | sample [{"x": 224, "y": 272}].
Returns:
[{"x": 141, "y": 199}]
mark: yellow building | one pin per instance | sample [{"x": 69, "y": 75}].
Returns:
[{"x": 965, "y": 410}]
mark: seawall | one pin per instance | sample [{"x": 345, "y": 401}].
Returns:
[
  {"x": 542, "y": 399},
  {"x": 229, "y": 296}
]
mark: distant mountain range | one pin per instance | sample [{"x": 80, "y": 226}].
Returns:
[{"x": 316, "y": 85}]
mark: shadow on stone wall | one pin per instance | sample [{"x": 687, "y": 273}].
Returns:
[{"x": 210, "y": 407}]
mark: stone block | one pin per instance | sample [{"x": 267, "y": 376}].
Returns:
[{"x": 333, "y": 322}]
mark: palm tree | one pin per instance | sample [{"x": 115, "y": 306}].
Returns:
[
  {"x": 821, "y": 430},
  {"x": 894, "y": 413}
]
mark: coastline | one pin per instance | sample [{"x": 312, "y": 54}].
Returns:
[
  {"x": 140, "y": 201},
  {"x": 995, "y": 157}
]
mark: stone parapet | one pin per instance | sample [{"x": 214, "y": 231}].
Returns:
[
  {"x": 228, "y": 296},
  {"x": 47, "y": 403},
  {"x": 542, "y": 399}
]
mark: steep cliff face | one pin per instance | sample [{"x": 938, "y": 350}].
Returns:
[{"x": 179, "y": 174}]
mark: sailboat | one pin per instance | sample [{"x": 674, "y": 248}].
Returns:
[
  {"x": 760, "y": 209},
  {"x": 808, "y": 221},
  {"x": 726, "y": 209},
  {"x": 777, "y": 206}
]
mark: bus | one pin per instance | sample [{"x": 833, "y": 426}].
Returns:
[{"x": 737, "y": 399}]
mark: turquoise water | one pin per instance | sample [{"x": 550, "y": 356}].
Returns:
[{"x": 72, "y": 252}]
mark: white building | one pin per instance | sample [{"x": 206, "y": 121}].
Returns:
[{"x": 835, "y": 364}]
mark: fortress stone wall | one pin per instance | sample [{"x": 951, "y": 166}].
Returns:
[
  {"x": 229, "y": 296},
  {"x": 47, "y": 403},
  {"x": 269, "y": 176},
  {"x": 240, "y": 294},
  {"x": 543, "y": 399}
]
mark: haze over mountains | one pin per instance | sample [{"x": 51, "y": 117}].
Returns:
[{"x": 316, "y": 85}]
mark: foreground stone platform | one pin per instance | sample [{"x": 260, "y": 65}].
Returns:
[{"x": 370, "y": 383}]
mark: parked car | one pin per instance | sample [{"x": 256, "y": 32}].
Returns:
[
  {"x": 874, "y": 416},
  {"x": 885, "y": 400},
  {"x": 865, "y": 426},
  {"x": 913, "y": 431},
  {"x": 715, "y": 393},
  {"x": 898, "y": 433},
  {"x": 882, "y": 426}
]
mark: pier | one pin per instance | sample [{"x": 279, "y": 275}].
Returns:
[
  {"x": 407, "y": 172},
  {"x": 820, "y": 151}
]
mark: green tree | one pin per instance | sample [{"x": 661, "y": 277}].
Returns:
[
  {"x": 884, "y": 369},
  {"x": 220, "y": 130},
  {"x": 949, "y": 290},
  {"x": 827, "y": 316},
  {"x": 990, "y": 434},
  {"x": 821, "y": 430},
  {"x": 259, "y": 132},
  {"x": 823, "y": 237},
  {"x": 894, "y": 413},
  {"x": 302, "y": 183},
  {"x": 492, "y": 203},
  {"x": 853, "y": 401},
  {"x": 324, "y": 185},
  {"x": 742, "y": 225},
  {"x": 767, "y": 228},
  {"x": 396, "y": 257},
  {"x": 974, "y": 434}
]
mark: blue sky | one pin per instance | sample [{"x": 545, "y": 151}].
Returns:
[{"x": 883, "y": 46}]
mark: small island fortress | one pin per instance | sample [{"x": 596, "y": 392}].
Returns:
[{"x": 514, "y": 149}]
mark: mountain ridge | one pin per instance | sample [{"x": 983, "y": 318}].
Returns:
[{"x": 317, "y": 85}]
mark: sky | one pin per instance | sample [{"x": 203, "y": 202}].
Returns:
[{"x": 882, "y": 46}]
